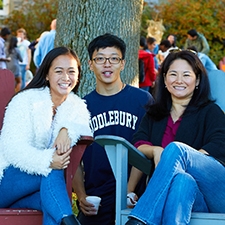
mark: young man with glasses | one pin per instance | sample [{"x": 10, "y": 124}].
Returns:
[{"x": 116, "y": 109}]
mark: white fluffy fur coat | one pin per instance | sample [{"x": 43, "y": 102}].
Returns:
[{"x": 28, "y": 128}]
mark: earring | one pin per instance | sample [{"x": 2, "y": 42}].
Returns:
[
  {"x": 196, "y": 87},
  {"x": 46, "y": 82}
]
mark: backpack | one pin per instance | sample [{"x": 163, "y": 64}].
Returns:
[{"x": 141, "y": 71}]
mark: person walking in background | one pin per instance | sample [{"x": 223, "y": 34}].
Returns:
[
  {"x": 13, "y": 53},
  {"x": 198, "y": 40},
  {"x": 32, "y": 47},
  {"x": 23, "y": 45},
  {"x": 34, "y": 43},
  {"x": 45, "y": 44},
  {"x": 172, "y": 39},
  {"x": 147, "y": 60},
  {"x": 4, "y": 34},
  {"x": 151, "y": 44},
  {"x": 164, "y": 50}
]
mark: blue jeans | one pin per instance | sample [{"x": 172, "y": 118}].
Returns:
[
  {"x": 183, "y": 182},
  {"x": 48, "y": 194},
  {"x": 23, "y": 76}
]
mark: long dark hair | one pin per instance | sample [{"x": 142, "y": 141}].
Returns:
[
  {"x": 12, "y": 44},
  {"x": 163, "y": 101},
  {"x": 39, "y": 79}
]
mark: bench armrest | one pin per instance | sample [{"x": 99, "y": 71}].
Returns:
[
  {"x": 135, "y": 157},
  {"x": 75, "y": 158},
  {"x": 120, "y": 152}
]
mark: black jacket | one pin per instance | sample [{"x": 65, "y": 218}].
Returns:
[{"x": 201, "y": 129}]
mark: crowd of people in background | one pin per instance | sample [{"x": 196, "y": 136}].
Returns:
[
  {"x": 151, "y": 54},
  {"x": 18, "y": 53},
  {"x": 195, "y": 42}
]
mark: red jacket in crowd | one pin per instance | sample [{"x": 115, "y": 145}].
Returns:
[{"x": 149, "y": 68}]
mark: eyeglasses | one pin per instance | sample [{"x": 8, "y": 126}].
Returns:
[
  {"x": 102, "y": 60},
  {"x": 175, "y": 50}
]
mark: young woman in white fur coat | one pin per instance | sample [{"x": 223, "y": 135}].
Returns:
[{"x": 41, "y": 124}]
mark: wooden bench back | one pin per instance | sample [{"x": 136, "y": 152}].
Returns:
[{"x": 7, "y": 90}]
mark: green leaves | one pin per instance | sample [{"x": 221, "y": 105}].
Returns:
[
  {"x": 35, "y": 17},
  {"x": 205, "y": 16}
]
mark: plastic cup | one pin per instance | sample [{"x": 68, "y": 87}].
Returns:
[{"x": 95, "y": 200}]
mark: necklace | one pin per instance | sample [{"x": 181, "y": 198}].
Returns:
[{"x": 54, "y": 112}]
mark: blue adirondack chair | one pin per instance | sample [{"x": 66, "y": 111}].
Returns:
[
  {"x": 217, "y": 86},
  {"x": 120, "y": 152}
]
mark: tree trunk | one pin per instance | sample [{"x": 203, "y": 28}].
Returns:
[{"x": 79, "y": 21}]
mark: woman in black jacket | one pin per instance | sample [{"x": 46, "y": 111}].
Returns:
[{"x": 184, "y": 133}]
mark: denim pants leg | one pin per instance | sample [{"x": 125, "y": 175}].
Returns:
[
  {"x": 23, "y": 76},
  {"x": 201, "y": 193},
  {"x": 55, "y": 200},
  {"x": 16, "y": 185},
  {"x": 32, "y": 201},
  {"x": 18, "y": 188},
  {"x": 183, "y": 189}
]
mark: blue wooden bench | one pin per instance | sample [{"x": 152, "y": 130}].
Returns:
[
  {"x": 120, "y": 152},
  {"x": 27, "y": 216},
  {"x": 217, "y": 84}
]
